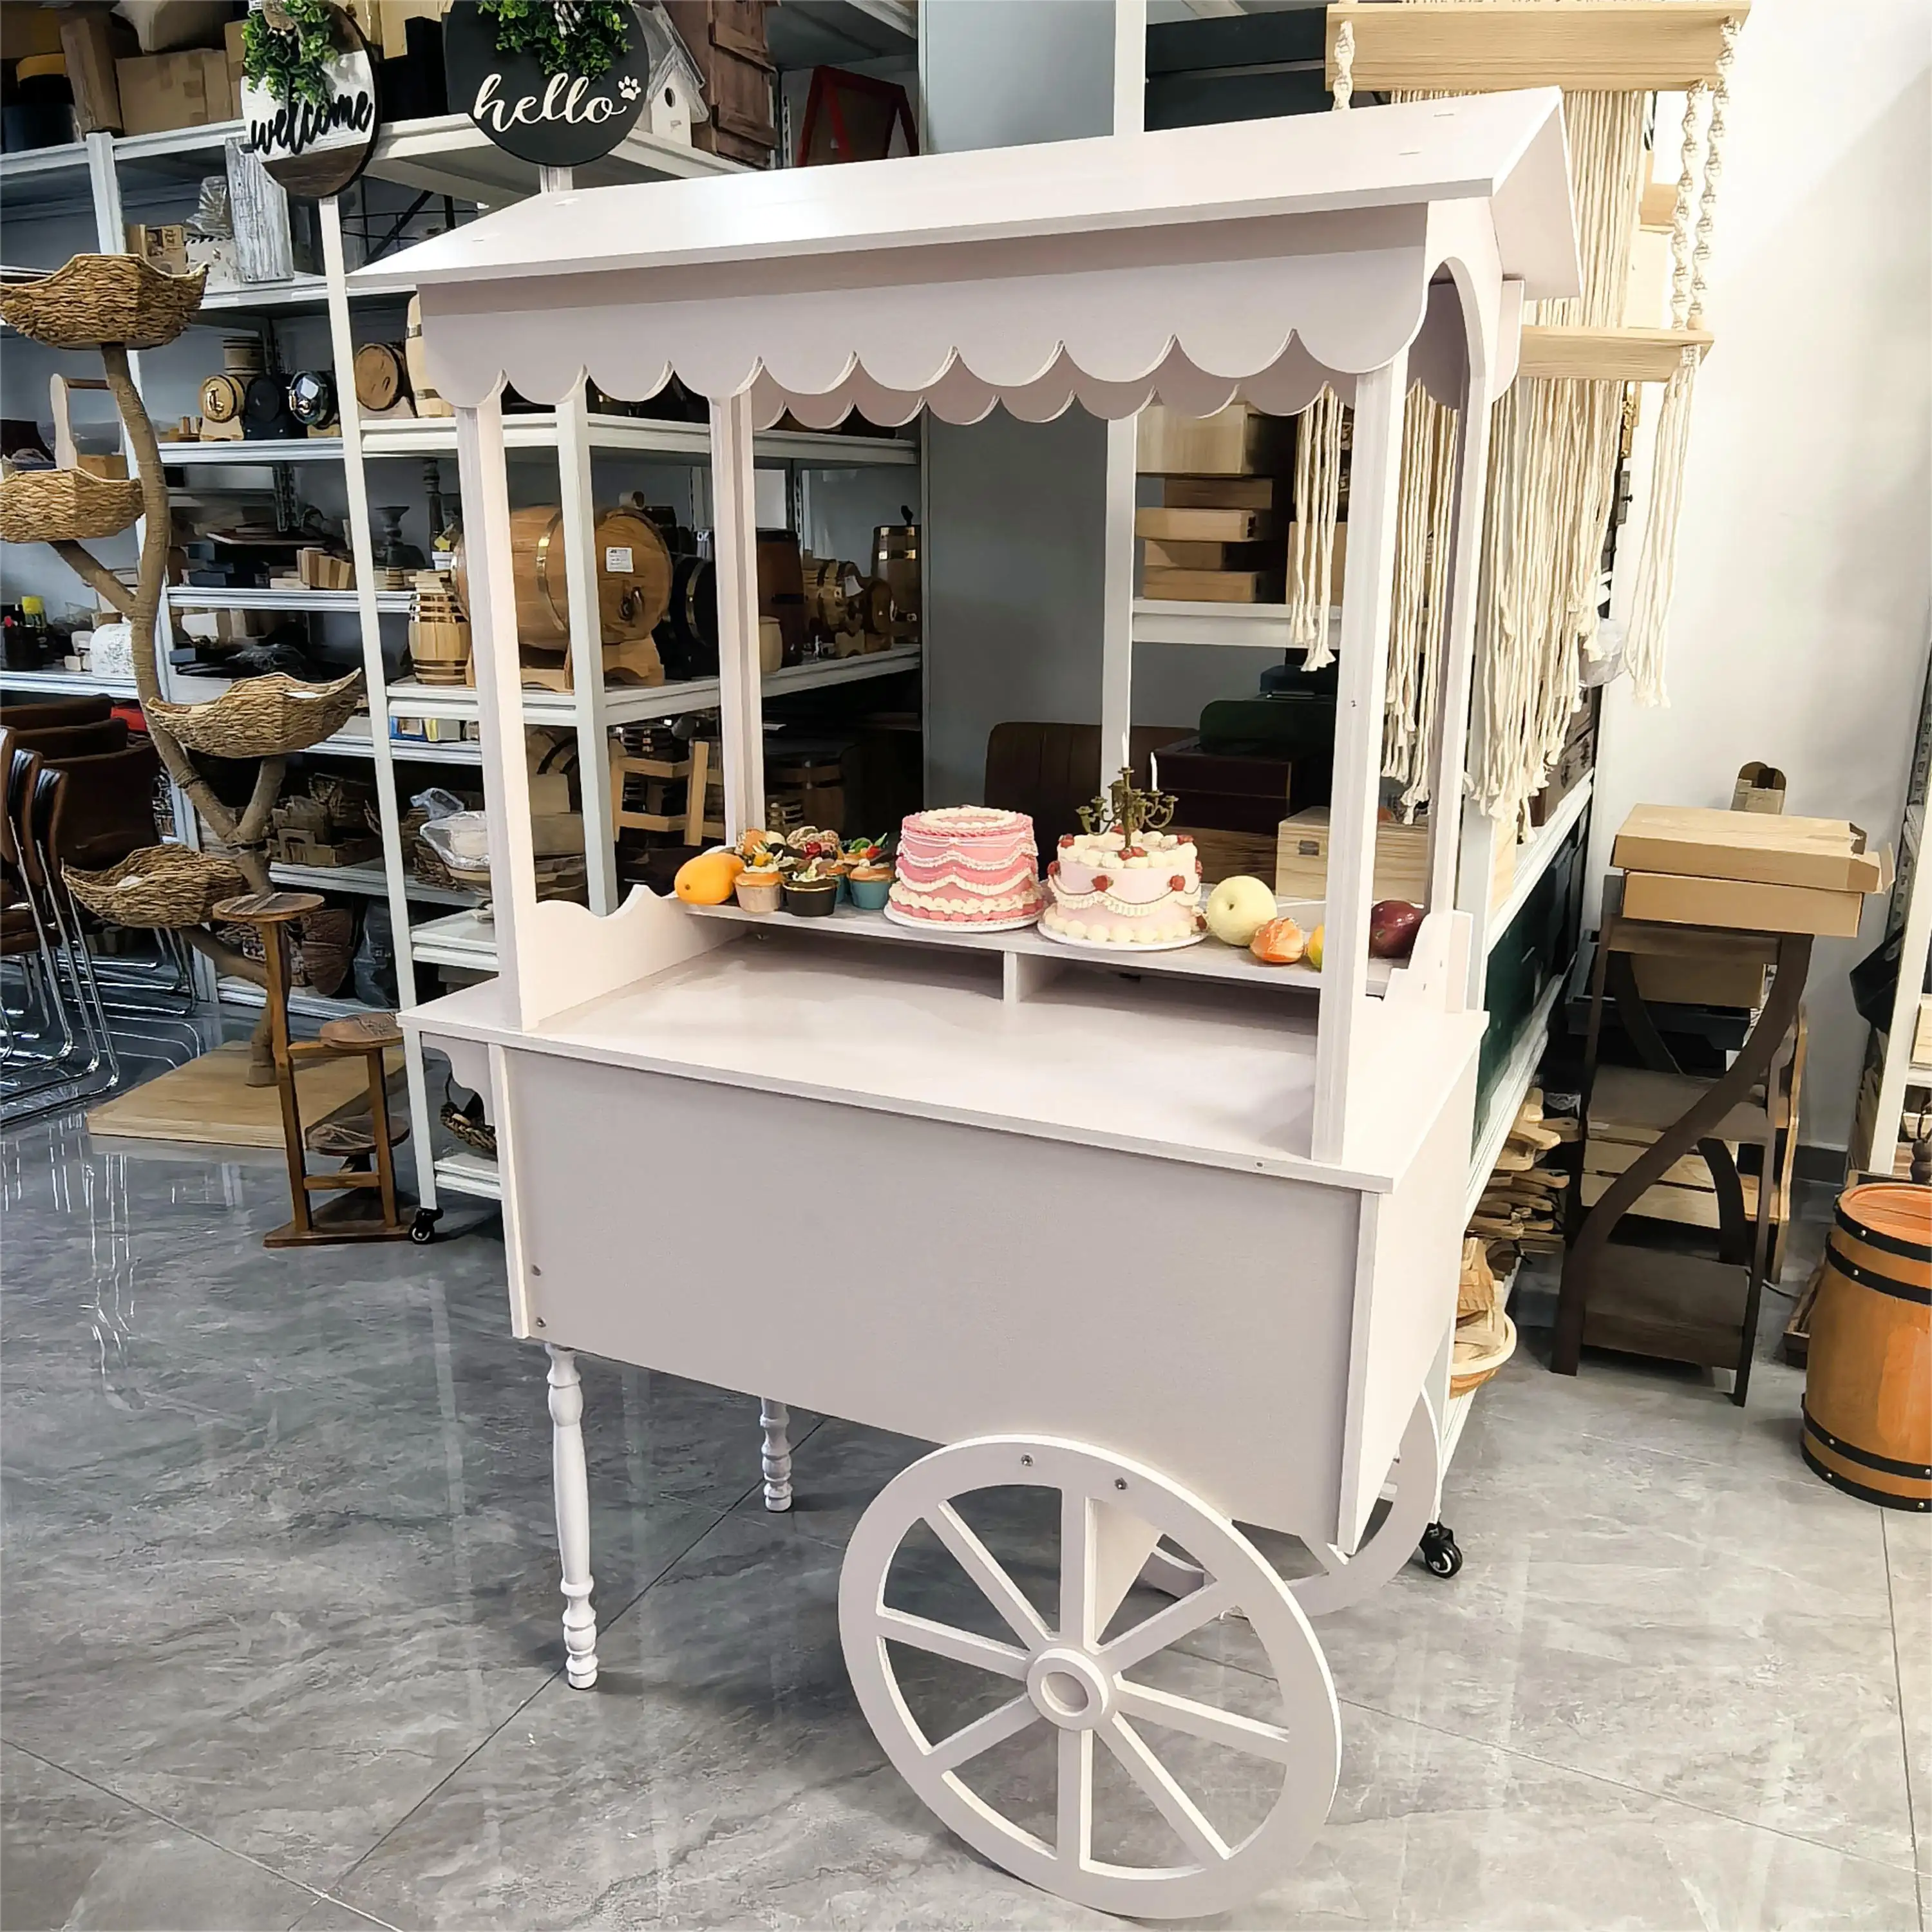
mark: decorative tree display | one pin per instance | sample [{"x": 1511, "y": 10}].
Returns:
[{"x": 115, "y": 304}]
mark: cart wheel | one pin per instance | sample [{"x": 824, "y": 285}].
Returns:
[
  {"x": 1111, "y": 1511},
  {"x": 1343, "y": 1580},
  {"x": 1440, "y": 1552},
  {"x": 422, "y": 1229}
]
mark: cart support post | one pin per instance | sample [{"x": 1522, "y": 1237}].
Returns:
[
  {"x": 570, "y": 1479},
  {"x": 775, "y": 1419},
  {"x": 1366, "y": 596},
  {"x": 493, "y": 619},
  {"x": 735, "y": 526}
]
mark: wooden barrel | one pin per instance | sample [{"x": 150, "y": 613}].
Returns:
[
  {"x": 1868, "y": 1378},
  {"x": 633, "y": 575},
  {"x": 895, "y": 564}
]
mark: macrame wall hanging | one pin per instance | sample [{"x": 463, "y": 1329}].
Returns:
[{"x": 1554, "y": 448}]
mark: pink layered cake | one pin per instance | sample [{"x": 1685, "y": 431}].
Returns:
[
  {"x": 1114, "y": 888},
  {"x": 967, "y": 865}
]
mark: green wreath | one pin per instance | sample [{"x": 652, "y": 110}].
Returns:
[
  {"x": 588, "y": 37},
  {"x": 292, "y": 63}
]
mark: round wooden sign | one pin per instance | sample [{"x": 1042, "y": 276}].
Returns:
[
  {"x": 554, "y": 120},
  {"x": 316, "y": 148}
]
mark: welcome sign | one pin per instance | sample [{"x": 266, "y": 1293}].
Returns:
[
  {"x": 316, "y": 144},
  {"x": 552, "y": 119}
]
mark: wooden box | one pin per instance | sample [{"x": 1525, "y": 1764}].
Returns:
[
  {"x": 1211, "y": 586},
  {"x": 319, "y": 570},
  {"x": 1921, "y": 1035},
  {"x": 1224, "y": 526},
  {"x": 1301, "y": 859},
  {"x": 1239, "y": 441},
  {"x": 300, "y": 848}
]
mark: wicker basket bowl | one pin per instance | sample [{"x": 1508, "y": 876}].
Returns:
[
  {"x": 66, "y": 505},
  {"x": 1483, "y": 1344},
  {"x": 161, "y": 885},
  {"x": 94, "y": 299},
  {"x": 263, "y": 717}
]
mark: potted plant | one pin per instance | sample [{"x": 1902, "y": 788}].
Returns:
[{"x": 812, "y": 890}]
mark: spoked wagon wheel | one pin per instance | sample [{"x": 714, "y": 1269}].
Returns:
[
  {"x": 1344, "y": 1580},
  {"x": 1090, "y": 1684}
]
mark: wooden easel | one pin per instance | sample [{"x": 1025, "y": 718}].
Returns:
[{"x": 370, "y": 1035}]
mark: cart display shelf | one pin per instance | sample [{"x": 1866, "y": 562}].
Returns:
[
  {"x": 1178, "y": 1255},
  {"x": 288, "y": 449},
  {"x": 462, "y": 1172},
  {"x": 1211, "y": 960},
  {"x": 1260, "y": 627},
  {"x": 642, "y": 436},
  {"x": 461, "y": 939}
]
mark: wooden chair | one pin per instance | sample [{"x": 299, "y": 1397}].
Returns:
[
  {"x": 38, "y": 714},
  {"x": 55, "y": 741},
  {"x": 369, "y": 1035}
]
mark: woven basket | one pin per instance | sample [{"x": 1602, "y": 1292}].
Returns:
[
  {"x": 162, "y": 885},
  {"x": 263, "y": 717},
  {"x": 66, "y": 505},
  {"x": 99, "y": 298},
  {"x": 477, "y": 1135}
]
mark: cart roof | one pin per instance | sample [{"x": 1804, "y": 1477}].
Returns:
[{"x": 960, "y": 279}]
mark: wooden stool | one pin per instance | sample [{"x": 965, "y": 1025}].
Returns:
[{"x": 368, "y": 1034}]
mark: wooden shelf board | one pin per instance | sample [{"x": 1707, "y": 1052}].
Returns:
[
  {"x": 1604, "y": 355},
  {"x": 1482, "y": 47},
  {"x": 1676, "y": 1308},
  {"x": 1634, "y": 1103}
]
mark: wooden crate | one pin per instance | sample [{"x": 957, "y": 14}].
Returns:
[
  {"x": 1230, "y": 526},
  {"x": 1211, "y": 586},
  {"x": 1239, "y": 441},
  {"x": 1301, "y": 859}
]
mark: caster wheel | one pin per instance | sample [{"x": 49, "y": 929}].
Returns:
[
  {"x": 422, "y": 1229},
  {"x": 1343, "y": 1579},
  {"x": 1440, "y": 1552}
]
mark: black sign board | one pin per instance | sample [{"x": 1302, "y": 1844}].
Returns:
[
  {"x": 554, "y": 120},
  {"x": 313, "y": 149}
]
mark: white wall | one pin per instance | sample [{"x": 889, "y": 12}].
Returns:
[{"x": 1798, "y": 631}]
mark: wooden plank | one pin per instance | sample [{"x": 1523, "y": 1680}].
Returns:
[
  {"x": 1677, "y": 1308},
  {"x": 1204, "y": 525},
  {"x": 1603, "y": 355},
  {"x": 1484, "y": 46},
  {"x": 1688, "y": 1206},
  {"x": 210, "y": 1100},
  {"x": 1206, "y": 587}
]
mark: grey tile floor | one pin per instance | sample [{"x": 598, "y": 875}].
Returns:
[{"x": 279, "y": 1642}]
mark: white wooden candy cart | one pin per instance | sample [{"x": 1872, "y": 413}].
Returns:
[{"x": 1177, "y": 1237}]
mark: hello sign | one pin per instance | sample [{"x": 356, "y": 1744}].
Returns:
[
  {"x": 313, "y": 149},
  {"x": 553, "y": 120}
]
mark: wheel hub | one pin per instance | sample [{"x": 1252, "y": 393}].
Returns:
[{"x": 1068, "y": 1688}]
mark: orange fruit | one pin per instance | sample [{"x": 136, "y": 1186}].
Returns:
[
  {"x": 707, "y": 879},
  {"x": 1311, "y": 955}
]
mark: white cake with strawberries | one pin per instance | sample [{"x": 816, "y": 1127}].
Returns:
[{"x": 1124, "y": 888}]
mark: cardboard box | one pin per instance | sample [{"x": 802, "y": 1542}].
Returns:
[
  {"x": 1921, "y": 1034},
  {"x": 163, "y": 244},
  {"x": 1742, "y": 905},
  {"x": 161, "y": 91},
  {"x": 1763, "y": 847},
  {"x": 92, "y": 43},
  {"x": 232, "y": 52}
]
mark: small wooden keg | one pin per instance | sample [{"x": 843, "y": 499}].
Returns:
[
  {"x": 222, "y": 397},
  {"x": 895, "y": 565},
  {"x": 633, "y": 575},
  {"x": 1868, "y": 1376},
  {"x": 381, "y": 376}
]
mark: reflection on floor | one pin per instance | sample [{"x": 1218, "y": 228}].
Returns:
[{"x": 281, "y": 1647}]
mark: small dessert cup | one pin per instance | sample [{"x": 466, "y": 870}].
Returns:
[
  {"x": 869, "y": 885},
  {"x": 759, "y": 888},
  {"x": 810, "y": 898}
]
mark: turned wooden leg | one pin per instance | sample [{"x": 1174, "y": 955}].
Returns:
[
  {"x": 570, "y": 1480},
  {"x": 775, "y": 1420}
]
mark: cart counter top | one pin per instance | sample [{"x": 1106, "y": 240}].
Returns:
[{"x": 1179, "y": 1070}]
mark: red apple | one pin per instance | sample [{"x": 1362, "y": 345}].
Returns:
[{"x": 1392, "y": 928}]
